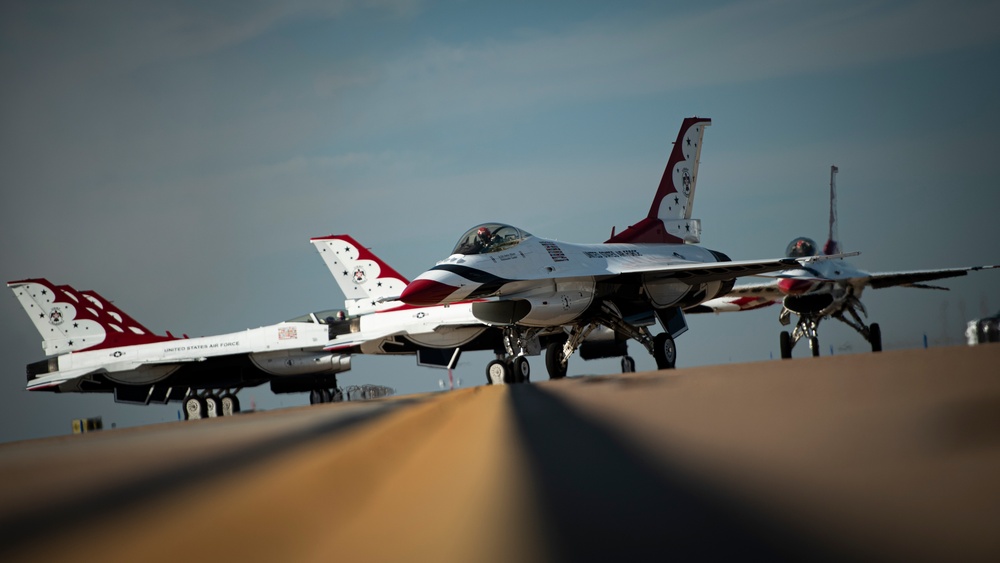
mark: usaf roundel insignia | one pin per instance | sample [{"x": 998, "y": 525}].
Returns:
[
  {"x": 55, "y": 316},
  {"x": 359, "y": 275}
]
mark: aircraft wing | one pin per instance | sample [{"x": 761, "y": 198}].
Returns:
[
  {"x": 699, "y": 272},
  {"x": 913, "y": 278},
  {"x": 345, "y": 341}
]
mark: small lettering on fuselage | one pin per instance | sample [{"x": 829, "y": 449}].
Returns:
[
  {"x": 201, "y": 347},
  {"x": 612, "y": 253},
  {"x": 508, "y": 256}
]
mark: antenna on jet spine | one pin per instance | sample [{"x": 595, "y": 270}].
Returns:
[{"x": 833, "y": 242}]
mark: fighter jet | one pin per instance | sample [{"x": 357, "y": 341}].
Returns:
[
  {"x": 649, "y": 272},
  {"x": 94, "y": 347},
  {"x": 376, "y": 322},
  {"x": 829, "y": 289}
]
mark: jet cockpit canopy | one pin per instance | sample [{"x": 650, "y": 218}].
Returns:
[
  {"x": 488, "y": 238},
  {"x": 322, "y": 317},
  {"x": 801, "y": 247}
]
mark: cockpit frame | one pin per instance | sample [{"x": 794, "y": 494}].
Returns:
[
  {"x": 488, "y": 238},
  {"x": 802, "y": 247}
]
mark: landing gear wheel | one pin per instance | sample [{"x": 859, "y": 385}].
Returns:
[
  {"x": 875, "y": 337},
  {"x": 320, "y": 396},
  {"x": 230, "y": 405},
  {"x": 553, "y": 361},
  {"x": 194, "y": 408},
  {"x": 814, "y": 346},
  {"x": 496, "y": 372},
  {"x": 785, "y": 343},
  {"x": 213, "y": 406},
  {"x": 664, "y": 351},
  {"x": 628, "y": 364},
  {"x": 520, "y": 370}
]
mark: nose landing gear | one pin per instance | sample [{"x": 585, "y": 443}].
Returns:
[{"x": 808, "y": 328}]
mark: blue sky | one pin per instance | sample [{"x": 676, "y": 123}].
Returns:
[{"x": 177, "y": 157}]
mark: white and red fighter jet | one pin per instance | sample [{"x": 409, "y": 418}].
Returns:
[
  {"x": 94, "y": 347},
  {"x": 827, "y": 289},
  {"x": 647, "y": 273}
]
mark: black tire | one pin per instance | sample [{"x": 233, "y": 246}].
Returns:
[
  {"x": 508, "y": 376},
  {"x": 553, "y": 364},
  {"x": 628, "y": 364},
  {"x": 785, "y": 344},
  {"x": 496, "y": 372},
  {"x": 664, "y": 351},
  {"x": 875, "y": 337},
  {"x": 814, "y": 346},
  {"x": 314, "y": 397},
  {"x": 520, "y": 370}
]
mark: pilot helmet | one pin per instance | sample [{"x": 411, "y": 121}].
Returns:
[{"x": 801, "y": 248}]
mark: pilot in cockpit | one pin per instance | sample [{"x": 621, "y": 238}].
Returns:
[
  {"x": 484, "y": 239},
  {"x": 801, "y": 247}
]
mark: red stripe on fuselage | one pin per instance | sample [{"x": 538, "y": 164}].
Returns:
[
  {"x": 426, "y": 292},
  {"x": 796, "y": 286}
]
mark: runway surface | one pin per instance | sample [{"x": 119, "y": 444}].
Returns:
[{"x": 890, "y": 456}]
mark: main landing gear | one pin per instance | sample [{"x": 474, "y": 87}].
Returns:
[
  {"x": 662, "y": 347},
  {"x": 664, "y": 351},
  {"x": 514, "y": 368},
  {"x": 808, "y": 327},
  {"x": 511, "y": 365},
  {"x": 322, "y": 396},
  {"x": 210, "y": 404}
]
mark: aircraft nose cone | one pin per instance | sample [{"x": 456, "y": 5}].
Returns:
[
  {"x": 426, "y": 292},
  {"x": 794, "y": 286}
]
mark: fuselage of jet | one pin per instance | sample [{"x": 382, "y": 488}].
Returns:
[
  {"x": 96, "y": 347},
  {"x": 284, "y": 349},
  {"x": 547, "y": 282}
]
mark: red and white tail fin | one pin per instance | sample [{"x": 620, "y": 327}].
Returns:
[
  {"x": 124, "y": 330},
  {"x": 832, "y": 245},
  {"x": 364, "y": 278},
  {"x": 71, "y": 320},
  {"x": 669, "y": 219}
]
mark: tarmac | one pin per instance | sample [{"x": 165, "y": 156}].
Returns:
[{"x": 893, "y": 456}]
